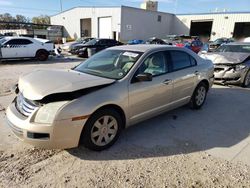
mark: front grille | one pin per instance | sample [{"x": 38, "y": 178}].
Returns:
[
  {"x": 25, "y": 106},
  {"x": 228, "y": 79},
  {"x": 218, "y": 69}
]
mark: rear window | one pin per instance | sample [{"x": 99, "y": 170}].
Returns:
[{"x": 181, "y": 60}]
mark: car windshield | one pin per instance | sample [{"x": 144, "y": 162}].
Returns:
[
  {"x": 113, "y": 64},
  {"x": 2, "y": 40},
  {"x": 234, "y": 48},
  {"x": 79, "y": 40},
  {"x": 92, "y": 42}
]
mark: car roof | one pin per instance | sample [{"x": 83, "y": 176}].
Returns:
[
  {"x": 29, "y": 38},
  {"x": 143, "y": 47},
  {"x": 17, "y": 37}
]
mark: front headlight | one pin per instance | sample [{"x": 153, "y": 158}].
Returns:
[
  {"x": 239, "y": 67},
  {"x": 46, "y": 114}
]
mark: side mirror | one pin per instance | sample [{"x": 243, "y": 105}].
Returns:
[
  {"x": 8, "y": 46},
  {"x": 144, "y": 77}
]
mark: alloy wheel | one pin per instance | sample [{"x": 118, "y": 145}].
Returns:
[
  {"x": 104, "y": 130},
  {"x": 200, "y": 96}
]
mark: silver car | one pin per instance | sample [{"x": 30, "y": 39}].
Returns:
[
  {"x": 231, "y": 63},
  {"x": 110, "y": 91}
]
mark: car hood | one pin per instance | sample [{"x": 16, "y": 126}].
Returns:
[
  {"x": 226, "y": 57},
  {"x": 70, "y": 44},
  {"x": 83, "y": 45},
  {"x": 41, "y": 83}
]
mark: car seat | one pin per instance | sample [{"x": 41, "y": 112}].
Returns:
[{"x": 156, "y": 65}]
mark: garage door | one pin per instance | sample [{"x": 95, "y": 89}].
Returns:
[
  {"x": 104, "y": 27},
  {"x": 201, "y": 28}
]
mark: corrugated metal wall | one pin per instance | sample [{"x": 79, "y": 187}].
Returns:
[
  {"x": 223, "y": 24},
  {"x": 71, "y": 19}
]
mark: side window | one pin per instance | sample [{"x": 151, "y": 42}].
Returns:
[
  {"x": 111, "y": 42},
  {"x": 193, "y": 61},
  {"x": 102, "y": 42},
  {"x": 11, "y": 42},
  {"x": 18, "y": 42},
  {"x": 25, "y": 41},
  {"x": 181, "y": 60},
  {"x": 155, "y": 64}
]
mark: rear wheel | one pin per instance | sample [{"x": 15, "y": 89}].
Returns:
[
  {"x": 199, "y": 96},
  {"x": 102, "y": 130},
  {"x": 246, "y": 82},
  {"x": 42, "y": 55}
]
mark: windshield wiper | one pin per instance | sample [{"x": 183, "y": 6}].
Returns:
[{"x": 93, "y": 71}]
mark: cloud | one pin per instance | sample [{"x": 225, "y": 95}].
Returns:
[{"x": 5, "y": 3}]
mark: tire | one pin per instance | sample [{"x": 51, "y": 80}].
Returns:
[
  {"x": 199, "y": 96},
  {"x": 96, "y": 134},
  {"x": 246, "y": 82},
  {"x": 42, "y": 55},
  {"x": 84, "y": 55}
]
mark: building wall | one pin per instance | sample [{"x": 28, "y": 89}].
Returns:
[
  {"x": 142, "y": 24},
  {"x": 71, "y": 19},
  {"x": 223, "y": 23},
  {"x": 17, "y": 31}
]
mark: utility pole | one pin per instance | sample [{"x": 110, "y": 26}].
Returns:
[{"x": 61, "y": 5}]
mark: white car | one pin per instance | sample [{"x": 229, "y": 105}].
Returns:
[{"x": 25, "y": 47}]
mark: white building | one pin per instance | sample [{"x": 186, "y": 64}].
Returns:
[
  {"x": 123, "y": 23},
  {"x": 127, "y": 23},
  {"x": 215, "y": 25}
]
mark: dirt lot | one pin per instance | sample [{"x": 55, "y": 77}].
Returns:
[{"x": 182, "y": 148}]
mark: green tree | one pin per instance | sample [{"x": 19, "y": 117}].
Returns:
[
  {"x": 43, "y": 19},
  {"x": 21, "y": 18},
  {"x": 6, "y": 17}
]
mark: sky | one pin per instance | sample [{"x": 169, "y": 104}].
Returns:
[{"x": 32, "y": 8}]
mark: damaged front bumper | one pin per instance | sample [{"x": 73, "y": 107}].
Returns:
[
  {"x": 60, "y": 134},
  {"x": 234, "y": 74}
]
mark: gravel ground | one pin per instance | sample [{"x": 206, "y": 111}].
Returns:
[{"x": 126, "y": 164}]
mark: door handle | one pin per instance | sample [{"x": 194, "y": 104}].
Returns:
[
  {"x": 167, "y": 81},
  {"x": 196, "y": 73}
]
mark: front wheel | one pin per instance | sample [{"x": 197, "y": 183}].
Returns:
[
  {"x": 199, "y": 96},
  {"x": 102, "y": 130},
  {"x": 246, "y": 82}
]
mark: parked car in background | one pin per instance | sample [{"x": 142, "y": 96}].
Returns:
[
  {"x": 108, "y": 92},
  {"x": 96, "y": 45},
  {"x": 25, "y": 47},
  {"x": 70, "y": 46},
  {"x": 231, "y": 63},
  {"x": 196, "y": 46},
  {"x": 218, "y": 42},
  {"x": 135, "y": 41},
  {"x": 155, "y": 40}
]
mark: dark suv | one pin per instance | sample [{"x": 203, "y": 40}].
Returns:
[{"x": 96, "y": 45}]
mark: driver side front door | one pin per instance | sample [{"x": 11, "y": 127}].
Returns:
[{"x": 149, "y": 98}]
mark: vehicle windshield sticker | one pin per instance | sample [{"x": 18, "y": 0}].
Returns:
[{"x": 130, "y": 54}]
